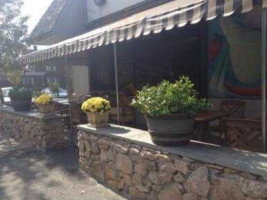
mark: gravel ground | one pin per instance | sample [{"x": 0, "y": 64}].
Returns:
[{"x": 27, "y": 174}]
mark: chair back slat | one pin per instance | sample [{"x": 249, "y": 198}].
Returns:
[{"x": 236, "y": 108}]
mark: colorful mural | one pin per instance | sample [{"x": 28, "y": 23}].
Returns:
[{"x": 234, "y": 69}]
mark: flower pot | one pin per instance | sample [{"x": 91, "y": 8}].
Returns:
[
  {"x": 98, "y": 120},
  {"x": 170, "y": 130},
  {"x": 46, "y": 109},
  {"x": 21, "y": 105}
]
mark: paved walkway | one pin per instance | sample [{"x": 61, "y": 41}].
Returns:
[{"x": 27, "y": 174}]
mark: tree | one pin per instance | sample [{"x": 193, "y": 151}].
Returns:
[{"x": 13, "y": 33}]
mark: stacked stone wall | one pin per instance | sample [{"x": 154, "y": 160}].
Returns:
[
  {"x": 145, "y": 173},
  {"x": 39, "y": 132}
]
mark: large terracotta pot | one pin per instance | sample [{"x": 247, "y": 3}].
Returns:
[
  {"x": 98, "y": 120},
  {"x": 47, "y": 109},
  {"x": 170, "y": 130}
]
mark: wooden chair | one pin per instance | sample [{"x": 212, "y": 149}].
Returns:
[
  {"x": 243, "y": 134},
  {"x": 78, "y": 116},
  {"x": 126, "y": 111},
  {"x": 236, "y": 108}
]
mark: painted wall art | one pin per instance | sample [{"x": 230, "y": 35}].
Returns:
[{"x": 234, "y": 69}]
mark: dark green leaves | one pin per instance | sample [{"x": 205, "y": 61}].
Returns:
[
  {"x": 20, "y": 93},
  {"x": 170, "y": 98}
]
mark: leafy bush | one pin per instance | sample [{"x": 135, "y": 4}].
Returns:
[
  {"x": 14, "y": 76},
  {"x": 170, "y": 98},
  {"x": 20, "y": 93}
]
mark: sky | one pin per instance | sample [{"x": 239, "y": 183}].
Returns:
[{"x": 35, "y": 10}]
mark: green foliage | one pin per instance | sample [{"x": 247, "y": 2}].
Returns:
[
  {"x": 54, "y": 87},
  {"x": 20, "y": 93},
  {"x": 14, "y": 76},
  {"x": 170, "y": 98},
  {"x": 13, "y": 33}
]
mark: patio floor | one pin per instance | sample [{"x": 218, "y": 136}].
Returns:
[{"x": 27, "y": 174}]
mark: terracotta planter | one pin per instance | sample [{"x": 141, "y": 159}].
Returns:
[
  {"x": 170, "y": 130},
  {"x": 98, "y": 120},
  {"x": 46, "y": 109}
]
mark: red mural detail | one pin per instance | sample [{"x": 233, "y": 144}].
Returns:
[{"x": 244, "y": 91}]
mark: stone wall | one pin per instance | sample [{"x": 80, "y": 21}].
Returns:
[
  {"x": 37, "y": 131},
  {"x": 145, "y": 173}
]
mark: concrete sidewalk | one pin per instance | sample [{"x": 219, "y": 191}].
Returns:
[{"x": 27, "y": 174}]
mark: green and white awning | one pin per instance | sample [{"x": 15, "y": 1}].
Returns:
[{"x": 177, "y": 13}]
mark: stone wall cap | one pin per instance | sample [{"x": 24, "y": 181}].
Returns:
[
  {"x": 30, "y": 114},
  {"x": 251, "y": 162}
]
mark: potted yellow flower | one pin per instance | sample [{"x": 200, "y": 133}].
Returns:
[
  {"x": 45, "y": 104},
  {"x": 97, "y": 110}
]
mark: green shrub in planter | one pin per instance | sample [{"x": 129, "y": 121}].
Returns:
[
  {"x": 169, "y": 109},
  {"x": 21, "y": 98}
]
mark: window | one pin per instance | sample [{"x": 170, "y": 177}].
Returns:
[
  {"x": 52, "y": 79},
  {"x": 50, "y": 68},
  {"x": 28, "y": 81}
]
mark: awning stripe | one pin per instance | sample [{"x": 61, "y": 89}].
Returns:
[
  {"x": 102, "y": 39},
  {"x": 182, "y": 19},
  {"x": 247, "y": 5},
  {"x": 122, "y": 35},
  {"x": 130, "y": 33},
  {"x": 197, "y": 15},
  {"x": 211, "y": 9},
  {"x": 139, "y": 29},
  {"x": 158, "y": 26},
  {"x": 178, "y": 13},
  {"x": 228, "y": 8},
  {"x": 170, "y": 23},
  {"x": 148, "y": 27}
]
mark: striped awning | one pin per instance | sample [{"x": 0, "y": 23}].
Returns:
[{"x": 176, "y": 13}]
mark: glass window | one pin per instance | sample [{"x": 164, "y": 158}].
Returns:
[{"x": 50, "y": 68}]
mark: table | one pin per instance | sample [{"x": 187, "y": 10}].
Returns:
[
  {"x": 62, "y": 101},
  {"x": 202, "y": 121}
]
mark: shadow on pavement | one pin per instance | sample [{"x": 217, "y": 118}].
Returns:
[{"x": 54, "y": 174}]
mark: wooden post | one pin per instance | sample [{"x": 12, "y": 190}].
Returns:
[
  {"x": 117, "y": 82},
  {"x": 263, "y": 78},
  {"x": 69, "y": 95}
]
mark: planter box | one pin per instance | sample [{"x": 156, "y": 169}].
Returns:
[
  {"x": 46, "y": 109},
  {"x": 98, "y": 120}
]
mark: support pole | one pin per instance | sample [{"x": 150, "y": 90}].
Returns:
[
  {"x": 263, "y": 78},
  {"x": 116, "y": 82},
  {"x": 69, "y": 95}
]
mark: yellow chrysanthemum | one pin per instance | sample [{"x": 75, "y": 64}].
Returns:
[
  {"x": 44, "y": 99},
  {"x": 96, "y": 104}
]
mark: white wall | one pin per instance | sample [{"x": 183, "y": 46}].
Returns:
[
  {"x": 80, "y": 80},
  {"x": 111, "y": 6}
]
